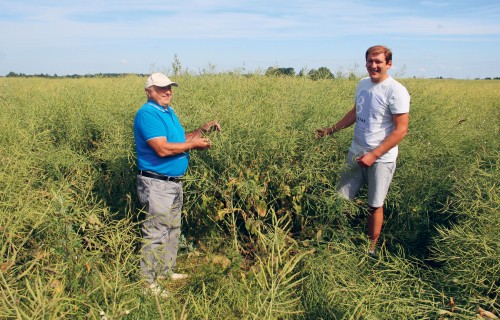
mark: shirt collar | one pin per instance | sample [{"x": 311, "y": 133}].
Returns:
[{"x": 157, "y": 106}]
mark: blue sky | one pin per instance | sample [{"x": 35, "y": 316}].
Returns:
[{"x": 449, "y": 38}]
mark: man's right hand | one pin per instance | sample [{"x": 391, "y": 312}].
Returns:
[
  {"x": 201, "y": 143},
  {"x": 323, "y": 132}
]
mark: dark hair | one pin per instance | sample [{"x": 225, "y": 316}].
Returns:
[{"x": 379, "y": 49}]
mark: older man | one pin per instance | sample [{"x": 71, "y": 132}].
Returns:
[
  {"x": 380, "y": 113},
  {"x": 162, "y": 148}
]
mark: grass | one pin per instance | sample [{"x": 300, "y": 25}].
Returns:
[{"x": 265, "y": 234}]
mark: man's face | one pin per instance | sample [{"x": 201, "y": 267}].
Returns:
[
  {"x": 377, "y": 67},
  {"x": 160, "y": 95}
]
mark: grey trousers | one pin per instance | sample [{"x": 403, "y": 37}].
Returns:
[
  {"x": 378, "y": 178},
  {"x": 161, "y": 228}
]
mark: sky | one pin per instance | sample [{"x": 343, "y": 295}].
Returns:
[{"x": 429, "y": 38}]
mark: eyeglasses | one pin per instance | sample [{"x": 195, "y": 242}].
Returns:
[{"x": 162, "y": 89}]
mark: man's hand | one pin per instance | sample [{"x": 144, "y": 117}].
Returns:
[
  {"x": 201, "y": 143},
  {"x": 366, "y": 160},
  {"x": 348, "y": 120},
  {"x": 211, "y": 126},
  {"x": 323, "y": 132},
  {"x": 206, "y": 128}
]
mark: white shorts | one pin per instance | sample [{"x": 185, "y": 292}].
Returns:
[{"x": 377, "y": 177}]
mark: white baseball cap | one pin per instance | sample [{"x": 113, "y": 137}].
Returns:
[{"x": 160, "y": 80}]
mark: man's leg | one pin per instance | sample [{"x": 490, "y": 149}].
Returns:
[
  {"x": 375, "y": 221},
  {"x": 351, "y": 178},
  {"x": 168, "y": 253},
  {"x": 379, "y": 179},
  {"x": 170, "y": 239},
  {"x": 158, "y": 197}
]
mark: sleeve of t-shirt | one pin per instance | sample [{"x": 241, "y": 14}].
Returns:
[
  {"x": 399, "y": 102},
  {"x": 150, "y": 125}
]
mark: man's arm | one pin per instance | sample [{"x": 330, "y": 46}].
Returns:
[
  {"x": 163, "y": 148},
  {"x": 194, "y": 140},
  {"x": 399, "y": 132},
  {"x": 206, "y": 128},
  {"x": 348, "y": 120}
]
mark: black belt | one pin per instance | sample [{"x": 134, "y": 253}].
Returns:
[{"x": 153, "y": 175}]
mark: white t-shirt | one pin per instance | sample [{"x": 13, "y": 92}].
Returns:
[{"x": 376, "y": 103}]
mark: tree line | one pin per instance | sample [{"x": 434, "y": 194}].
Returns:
[
  {"x": 46, "y": 75},
  {"x": 314, "y": 74}
]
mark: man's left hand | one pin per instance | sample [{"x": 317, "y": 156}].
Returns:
[
  {"x": 211, "y": 126},
  {"x": 366, "y": 160}
]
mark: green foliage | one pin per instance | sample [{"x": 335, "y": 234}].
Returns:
[
  {"x": 274, "y": 71},
  {"x": 321, "y": 73},
  {"x": 267, "y": 236},
  {"x": 469, "y": 250},
  {"x": 372, "y": 289}
]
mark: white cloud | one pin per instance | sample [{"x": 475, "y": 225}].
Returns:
[
  {"x": 435, "y": 4},
  {"x": 233, "y": 20}
]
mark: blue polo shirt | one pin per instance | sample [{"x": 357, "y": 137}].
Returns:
[{"x": 153, "y": 121}]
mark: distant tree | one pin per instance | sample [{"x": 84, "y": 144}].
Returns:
[
  {"x": 271, "y": 71},
  {"x": 321, "y": 73}
]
